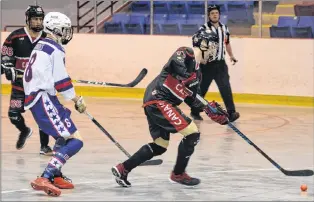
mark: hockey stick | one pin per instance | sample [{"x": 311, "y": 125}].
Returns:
[
  {"x": 284, "y": 171},
  {"x": 147, "y": 163},
  {"x": 138, "y": 79}
]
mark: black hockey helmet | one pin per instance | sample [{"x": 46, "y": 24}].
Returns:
[
  {"x": 207, "y": 42},
  {"x": 34, "y": 11},
  {"x": 213, "y": 7}
]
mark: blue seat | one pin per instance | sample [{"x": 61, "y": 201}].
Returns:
[
  {"x": 161, "y": 7},
  {"x": 224, "y": 19},
  {"x": 306, "y": 21},
  {"x": 196, "y": 19},
  {"x": 222, "y": 4},
  {"x": 133, "y": 28},
  {"x": 177, "y": 18},
  {"x": 114, "y": 28},
  {"x": 177, "y": 7},
  {"x": 121, "y": 17},
  {"x": 170, "y": 29},
  {"x": 288, "y": 21},
  {"x": 247, "y": 4},
  {"x": 140, "y": 7},
  {"x": 195, "y": 7},
  {"x": 241, "y": 17},
  {"x": 189, "y": 29},
  {"x": 280, "y": 32},
  {"x": 302, "y": 32},
  {"x": 156, "y": 29},
  {"x": 160, "y": 18},
  {"x": 139, "y": 18}
]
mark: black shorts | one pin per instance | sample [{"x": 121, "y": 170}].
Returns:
[
  {"x": 163, "y": 119},
  {"x": 17, "y": 100}
]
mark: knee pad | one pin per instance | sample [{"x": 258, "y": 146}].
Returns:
[
  {"x": 190, "y": 129},
  {"x": 189, "y": 142},
  {"x": 15, "y": 117},
  {"x": 156, "y": 149}
]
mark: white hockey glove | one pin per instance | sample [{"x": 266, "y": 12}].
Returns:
[{"x": 80, "y": 105}]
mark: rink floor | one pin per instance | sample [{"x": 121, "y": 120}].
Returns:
[{"x": 230, "y": 169}]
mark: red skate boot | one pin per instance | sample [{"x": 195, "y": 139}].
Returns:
[
  {"x": 184, "y": 179},
  {"x": 121, "y": 175},
  {"x": 62, "y": 182},
  {"x": 44, "y": 184}
]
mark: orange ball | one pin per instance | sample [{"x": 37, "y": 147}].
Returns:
[{"x": 303, "y": 187}]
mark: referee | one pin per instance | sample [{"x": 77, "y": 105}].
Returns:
[{"x": 218, "y": 70}]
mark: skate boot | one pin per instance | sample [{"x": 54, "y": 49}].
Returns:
[
  {"x": 46, "y": 150},
  {"x": 184, "y": 179},
  {"x": 62, "y": 182},
  {"x": 44, "y": 184},
  {"x": 22, "y": 138},
  {"x": 233, "y": 116},
  {"x": 121, "y": 175}
]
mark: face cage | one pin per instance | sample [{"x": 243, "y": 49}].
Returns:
[
  {"x": 67, "y": 34},
  {"x": 209, "y": 53}
]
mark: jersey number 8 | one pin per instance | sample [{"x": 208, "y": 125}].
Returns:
[{"x": 28, "y": 71}]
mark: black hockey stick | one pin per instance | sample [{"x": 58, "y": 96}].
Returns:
[
  {"x": 284, "y": 171},
  {"x": 147, "y": 163},
  {"x": 138, "y": 79}
]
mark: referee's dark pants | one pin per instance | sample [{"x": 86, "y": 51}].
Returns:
[{"x": 218, "y": 71}]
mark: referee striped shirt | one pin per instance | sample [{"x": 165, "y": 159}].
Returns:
[{"x": 223, "y": 34}]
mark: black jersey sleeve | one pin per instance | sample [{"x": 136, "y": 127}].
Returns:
[{"x": 7, "y": 51}]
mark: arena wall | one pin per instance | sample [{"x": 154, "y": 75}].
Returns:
[{"x": 269, "y": 71}]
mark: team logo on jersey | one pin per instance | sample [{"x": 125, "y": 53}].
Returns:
[
  {"x": 21, "y": 39},
  {"x": 39, "y": 47}
]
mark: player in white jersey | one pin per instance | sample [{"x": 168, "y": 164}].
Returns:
[{"x": 44, "y": 76}]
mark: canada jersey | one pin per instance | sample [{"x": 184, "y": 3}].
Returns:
[
  {"x": 46, "y": 73},
  {"x": 166, "y": 86},
  {"x": 16, "y": 49}
]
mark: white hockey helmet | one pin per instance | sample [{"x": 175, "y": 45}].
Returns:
[{"x": 59, "y": 26}]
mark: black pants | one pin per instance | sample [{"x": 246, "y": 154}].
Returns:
[
  {"x": 164, "y": 118},
  {"x": 218, "y": 71},
  {"x": 17, "y": 107}
]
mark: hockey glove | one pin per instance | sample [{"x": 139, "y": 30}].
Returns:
[
  {"x": 219, "y": 116},
  {"x": 80, "y": 105},
  {"x": 9, "y": 71}
]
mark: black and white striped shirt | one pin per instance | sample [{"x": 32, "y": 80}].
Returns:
[{"x": 223, "y": 34}]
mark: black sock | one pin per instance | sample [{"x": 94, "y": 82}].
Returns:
[
  {"x": 44, "y": 138},
  {"x": 142, "y": 155},
  {"x": 183, "y": 158}
]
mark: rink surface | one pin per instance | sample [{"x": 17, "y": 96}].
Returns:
[{"x": 230, "y": 169}]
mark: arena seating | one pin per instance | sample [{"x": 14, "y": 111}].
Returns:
[
  {"x": 185, "y": 17},
  {"x": 300, "y": 26},
  {"x": 176, "y": 17}
]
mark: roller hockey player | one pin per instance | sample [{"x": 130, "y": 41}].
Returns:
[
  {"x": 178, "y": 81},
  {"x": 44, "y": 76},
  {"x": 15, "y": 55}
]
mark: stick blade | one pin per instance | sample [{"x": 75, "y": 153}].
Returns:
[
  {"x": 298, "y": 172},
  {"x": 154, "y": 162},
  {"x": 139, "y": 78}
]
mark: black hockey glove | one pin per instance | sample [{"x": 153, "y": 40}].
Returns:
[{"x": 9, "y": 71}]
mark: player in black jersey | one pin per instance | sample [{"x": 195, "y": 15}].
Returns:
[
  {"x": 16, "y": 51},
  {"x": 179, "y": 80}
]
